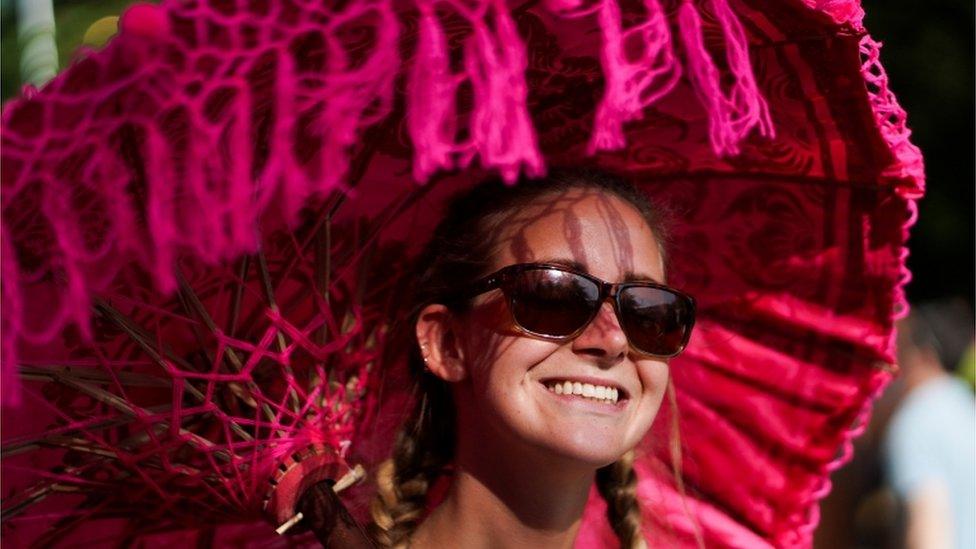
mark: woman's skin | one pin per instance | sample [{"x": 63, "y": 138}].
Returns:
[{"x": 526, "y": 457}]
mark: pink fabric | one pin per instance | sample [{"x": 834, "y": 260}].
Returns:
[{"x": 207, "y": 131}]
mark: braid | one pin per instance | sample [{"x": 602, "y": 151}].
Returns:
[
  {"x": 422, "y": 449},
  {"x": 399, "y": 504},
  {"x": 617, "y": 484}
]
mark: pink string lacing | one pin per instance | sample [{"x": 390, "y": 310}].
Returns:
[
  {"x": 732, "y": 115},
  {"x": 262, "y": 396},
  {"x": 501, "y": 132},
  {"x": 908, "y": 172},
  {"x": 632, "y": 85}
]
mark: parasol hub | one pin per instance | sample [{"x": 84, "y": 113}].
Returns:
[{"x": 298, "y": 472}]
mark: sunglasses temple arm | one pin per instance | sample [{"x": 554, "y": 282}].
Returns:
[{"x": 479, "y": 287}]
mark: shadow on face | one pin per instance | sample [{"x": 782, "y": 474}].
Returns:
[{"x": 585, "y": 229}]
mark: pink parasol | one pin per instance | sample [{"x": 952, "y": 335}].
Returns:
[{"x": 203, "y": 224}]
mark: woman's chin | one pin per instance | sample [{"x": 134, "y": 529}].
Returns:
[{"x": 588, "y": 453}]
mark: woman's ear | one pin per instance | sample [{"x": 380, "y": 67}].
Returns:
[{"x": 440, "y": 345}]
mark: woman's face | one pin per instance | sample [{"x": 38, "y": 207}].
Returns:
[{"x": 506, "y": 393}]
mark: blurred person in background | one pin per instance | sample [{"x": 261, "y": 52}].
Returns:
[{"x": 930, "y": 444}]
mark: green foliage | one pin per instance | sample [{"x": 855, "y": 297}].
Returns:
[{"x": 72, "y": 19}]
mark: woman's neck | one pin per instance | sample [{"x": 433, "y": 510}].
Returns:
[{"x": 507, "y": 499}]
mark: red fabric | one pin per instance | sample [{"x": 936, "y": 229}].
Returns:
[{"x": 793, "y": 249}]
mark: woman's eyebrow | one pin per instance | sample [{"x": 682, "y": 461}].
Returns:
[
  {"x": 631, "y": 276},
  {"x": 570, "y": 263}
]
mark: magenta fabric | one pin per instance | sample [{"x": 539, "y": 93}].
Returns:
[{"x": 203, "y": 224}]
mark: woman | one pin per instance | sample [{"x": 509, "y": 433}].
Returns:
[
  {"x": 535, "y": 377},
  {"x": 203, "y": 121}
]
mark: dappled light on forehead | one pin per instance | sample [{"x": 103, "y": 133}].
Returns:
[
  {"x": 627, "y": 276},
  {"x": 619, "y": 233},
  {"x": 571, "y": 222}
]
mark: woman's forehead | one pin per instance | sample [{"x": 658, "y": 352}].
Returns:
[{"x": 597, "y": 230}]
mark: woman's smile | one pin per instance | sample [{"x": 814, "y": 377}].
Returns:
[
  {"x": 599, "y": 399},
  {"x": 597, "y": 391}
]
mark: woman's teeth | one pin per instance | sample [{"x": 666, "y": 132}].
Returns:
[{"x": 598, "y": 393}]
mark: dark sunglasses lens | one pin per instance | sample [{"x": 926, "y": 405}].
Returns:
[
  {"x": 656, "y": 321},
  {"x": 551, "y": 302}
]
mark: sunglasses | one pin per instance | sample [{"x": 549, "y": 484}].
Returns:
[{"x": 557, "y": 302}]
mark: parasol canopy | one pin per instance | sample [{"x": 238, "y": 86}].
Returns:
[{"x": 204, "y": 223}]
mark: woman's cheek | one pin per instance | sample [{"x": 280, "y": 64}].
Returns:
[{"x": 653, "y": 376}]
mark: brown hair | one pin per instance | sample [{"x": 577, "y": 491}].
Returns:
[{"x": 458, "y": 254}]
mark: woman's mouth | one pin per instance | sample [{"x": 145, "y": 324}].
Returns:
[{"x": 604, "y": 394}]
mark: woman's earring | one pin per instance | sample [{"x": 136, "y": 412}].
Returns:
[{"x": 424, "y": 354}]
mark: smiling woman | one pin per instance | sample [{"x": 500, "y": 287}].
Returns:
[{"x": 543, "y": 331}]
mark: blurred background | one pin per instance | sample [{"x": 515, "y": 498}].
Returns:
[{"x": 882, "y": 498}]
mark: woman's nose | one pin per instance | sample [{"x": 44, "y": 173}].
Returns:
[{"x": 603, "y": 336}]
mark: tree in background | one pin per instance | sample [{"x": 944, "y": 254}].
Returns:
[{"x": 35, "y": 38}]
